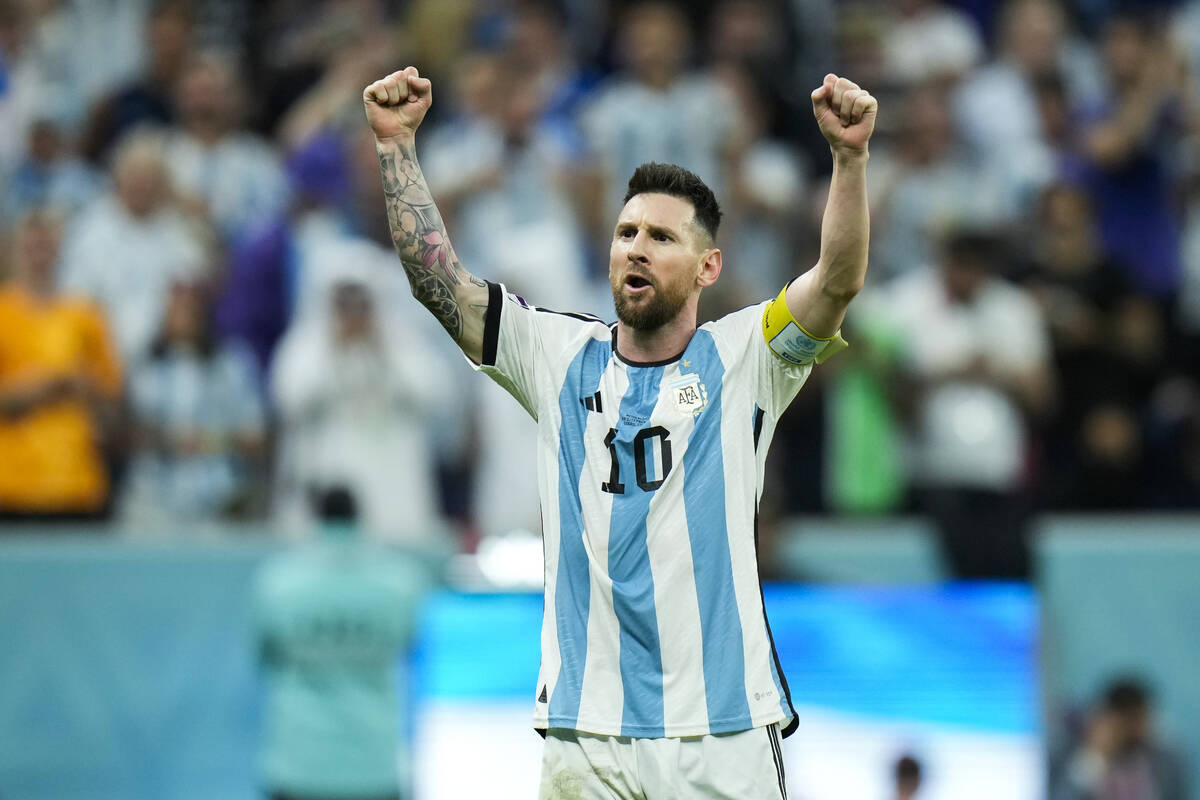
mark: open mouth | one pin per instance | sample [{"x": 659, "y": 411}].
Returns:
[{"x": 636, "y": 282}]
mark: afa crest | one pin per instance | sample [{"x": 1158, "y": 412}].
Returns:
[{"x": 689, "y": 394}]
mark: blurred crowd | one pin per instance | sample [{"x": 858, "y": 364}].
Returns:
[{"x": 201, "y": 317}]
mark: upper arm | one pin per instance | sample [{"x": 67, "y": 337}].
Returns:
[
  {"x": 471, "y": 306},
  {"x": 818, "y": 311}
]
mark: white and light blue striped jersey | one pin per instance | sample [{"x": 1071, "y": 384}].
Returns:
[{"x": 650, "y": 476}]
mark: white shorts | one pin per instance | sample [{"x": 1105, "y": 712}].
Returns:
[{"x": 747, "y": 765}]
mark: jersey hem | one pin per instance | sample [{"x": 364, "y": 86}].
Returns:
[{"x": 657, "y": 731}]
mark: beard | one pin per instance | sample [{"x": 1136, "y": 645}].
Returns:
[{"x": 651, "y": 312}]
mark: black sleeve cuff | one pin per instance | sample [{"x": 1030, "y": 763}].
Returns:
[{"x": 491, "y": 324}]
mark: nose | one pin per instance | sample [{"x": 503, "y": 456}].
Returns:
[{"x": 637, "y": 249}]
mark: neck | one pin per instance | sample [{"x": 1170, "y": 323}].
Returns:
[
  {"x": 39, "y": 289},
  {"x": 659, "y": 344}
]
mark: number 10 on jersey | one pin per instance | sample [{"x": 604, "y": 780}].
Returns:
[{"x": 657, "y": 436}]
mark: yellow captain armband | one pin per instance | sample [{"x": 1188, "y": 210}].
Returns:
[{"x": 788, "y": 340}]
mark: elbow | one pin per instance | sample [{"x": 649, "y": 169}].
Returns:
[{"x": 843, "y": 291}]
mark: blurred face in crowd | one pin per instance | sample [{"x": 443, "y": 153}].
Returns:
[
  {"x": 187, "y": 312},
  {"x": 1067, "y": 227},
  {"x": 1125, "y": 46},
  {"x": 140, "y": 177},
  {"x": 744, "y": 29},
  {"x": 45, "y": 141},
  {"x": 928, "y": 132},
  {"x": 169, "y": 34},
  {"x": 477, "y": 84},
  {"x": 536, "y": 39},
  {"x": 657, "y": 251},
  {"x": 208, "y": 94},
  {"x": 962, "y": 276},
  {"x": 36, "y": 248},
  {"x": 352, "y": 312},
  {"x": 654, "y": 41},
  {"x": 1033, "y": 34}
]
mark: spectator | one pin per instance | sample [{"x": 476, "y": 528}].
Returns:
[
  {"x": 506, "y": 176},
  {"x": 931, "y": 41},
  {"x": 125, "y": 247},
  {"x": 60, "y": 381},
  {"x": 1120, "y": 755},
  {"x": 272, "y": 268},
  {"x": 356, "y": 391},
  {"x": 907, "y": 774},
  {"x": 1128, "y": 151},
  {"x": 334, "y": 623},
  {"x": 980, "y": 376},
  {"x": 199, "y": 422},
  {"x": 1033, "y": 47},
  {"x": 927, "y": 184},
  {"x": 656, "y": 110},
  {"x": 148, "y": 99},
  {"x": 229, "y": 174},
  {"x": 49, "y": 175},
  {"x": 763, "y": 242},
  {"x": 1109, "y": 345}
]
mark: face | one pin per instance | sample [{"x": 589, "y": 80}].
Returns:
[
  {"x": 141, "y": 183},
  {"x": 186, "y": 312},
  {"x": 655, "y": 39},
  {"x": 352, "y": 311},
  {"x": 207, "y": 92},
  {"x": 36, "y": 248},
  {"x": 656, "y": 260}
]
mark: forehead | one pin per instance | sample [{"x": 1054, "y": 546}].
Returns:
[{"x": 662, "y": 210}]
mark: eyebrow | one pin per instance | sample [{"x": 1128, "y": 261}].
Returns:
[{"x": 653, "y": 229}]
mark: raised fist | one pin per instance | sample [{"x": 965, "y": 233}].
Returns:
[
  {"x": 845, "y": 113},
  {"x": 395, "y": 105}
]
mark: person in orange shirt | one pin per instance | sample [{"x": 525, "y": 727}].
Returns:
[{"x": 60, "y": 383}]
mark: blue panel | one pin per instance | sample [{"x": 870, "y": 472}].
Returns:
[{"x": 629, "y": 569}]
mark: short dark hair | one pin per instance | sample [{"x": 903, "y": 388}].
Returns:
[
  {"x": 907, "y": 769},
  {"x": 655, "y": 178},
  {"x": 1126, "y": 693}
]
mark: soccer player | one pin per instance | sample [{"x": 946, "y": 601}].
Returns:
[{"x": 659, "y": 678}]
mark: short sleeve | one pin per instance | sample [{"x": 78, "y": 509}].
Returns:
[
  {"x": 525, "y": 347},
  {"x": 776, "y": 381}
]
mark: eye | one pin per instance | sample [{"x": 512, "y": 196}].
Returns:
[
  {"x": 662, "y": 237},
  {"x": 626, "y": 233}
]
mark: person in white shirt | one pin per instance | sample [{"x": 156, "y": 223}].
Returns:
[{"x": 978, "y": 361}]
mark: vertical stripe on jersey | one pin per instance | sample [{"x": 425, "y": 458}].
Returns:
[
  {"x": 781, "y": 686},
  {"x": 573, "y": 590},
  {"x": 629, "y": 567},
  {"x": 704, "y": 499}
]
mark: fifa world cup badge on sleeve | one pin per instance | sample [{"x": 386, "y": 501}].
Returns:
[{"x": 791, "y": 342}]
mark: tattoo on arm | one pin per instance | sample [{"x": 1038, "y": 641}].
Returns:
[{"x": 419, "y": 236}]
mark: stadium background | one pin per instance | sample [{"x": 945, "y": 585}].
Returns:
[{"x": 1023, "y": 366}]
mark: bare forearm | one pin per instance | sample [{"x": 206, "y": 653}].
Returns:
[
  {"x": 845, "y": 229},
  {"x": 818, "y": 300},
  {"x": 438, "y": 280}
]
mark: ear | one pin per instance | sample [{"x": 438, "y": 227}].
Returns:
[{"x": 710, "y": 268}]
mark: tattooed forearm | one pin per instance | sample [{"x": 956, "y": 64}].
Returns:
[{"x": 419, "y": 236}]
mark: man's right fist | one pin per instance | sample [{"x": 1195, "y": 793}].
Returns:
[{"x": 395, "y": 105}]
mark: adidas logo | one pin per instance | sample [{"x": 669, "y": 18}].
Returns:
[
  {"x": 593, "y": 403},
  {"x": 542, "y": 696}
]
